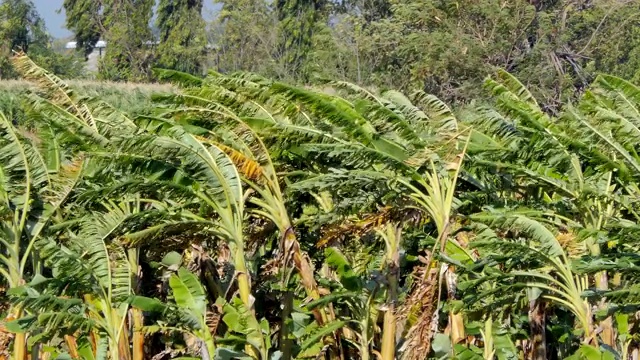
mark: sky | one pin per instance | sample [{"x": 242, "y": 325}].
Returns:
[{"x": 55, "y": 22}]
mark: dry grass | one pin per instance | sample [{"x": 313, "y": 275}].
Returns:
[
  {"x": 130, "y": 97},
  {"x": 18, "y": 85}
]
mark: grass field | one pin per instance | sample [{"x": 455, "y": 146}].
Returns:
[
  {"x": 92, "y": 84},
  {"x": 129, "y": 96}
]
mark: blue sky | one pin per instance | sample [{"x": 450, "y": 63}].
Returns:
[{"x": 55, "y": 22}]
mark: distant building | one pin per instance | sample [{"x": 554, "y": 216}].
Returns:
[
  {"x": 99, "y": 45},
  {"x": 94, "y": 57}
]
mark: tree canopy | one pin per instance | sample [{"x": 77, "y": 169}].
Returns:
[
  {"x": 22, "y": 29},
  {"x": 445, "y": 48}
]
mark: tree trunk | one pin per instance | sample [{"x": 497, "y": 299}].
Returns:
[
  {"x": 393, "y": 238},
  {"x": 138, "y": 335},
  {"x": 124, "y": 352},
  {"x": 291, "y": 248},
  {"x": 244, "y": 288},
  {"x": 456, "y": 320},
  {"x": 388, "y": 350},
  {"x": 136, "y": 316},
  {"x": 607, "y": 335},
  {"x": 286, "y": 344},
  {"x": 72, "y": 345},
  {"x": 20, "y": 340},
  {"x": 204, "y": 351},
  {"x": 537, "y": 324}
]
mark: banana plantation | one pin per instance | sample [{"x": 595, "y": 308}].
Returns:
[{"x": 236, "y": 217}]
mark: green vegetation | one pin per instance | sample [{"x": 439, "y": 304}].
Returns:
[
  {"x": 182, "y": 35},
  {"x": 131, "y": 97},
  {"x": 445, "y": 48},
  {"x": 22, "y": 29},
  {"x": 318, "y": 179},
  {"x": 242, "y": 217}
]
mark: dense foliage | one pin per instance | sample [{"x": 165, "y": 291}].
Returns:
[
  {"x": 243, "y": 217},
  {"x": 22, "y": 29},
  {"x": 446, "y": 48},
  {"x": 182, "y": 35}
]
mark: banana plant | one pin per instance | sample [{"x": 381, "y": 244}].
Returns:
[
  {"x": 204, "y": 173},
  {"x": 187, "y": 315},
  {"x": 358, "y": 291},
  {"x": 206, "y": 114},
  {"x": 530, "y": 259},
  {"x": 91, "y": 250},
  {"x": 146, "y": 149},
  {"x": 37, "y": 181},
  {"x": 95, "y": 304},
  {"x": 581, "y": 158}
]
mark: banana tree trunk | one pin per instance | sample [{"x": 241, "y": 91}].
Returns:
[
  {"x": 138, "y": 335},
  {"x": 388, "y": 350},
  {"x": 487, "y": 337},
  {"x": 244, "y": 288},
  {"x": 286, "y": 343},
  {"x": 36, "y": 352},
  {"x": 20, "y": 339},
  {"x": 205, "y": 351},
  {"x": 421, "y": 333},
  {"x": 135, "y": 315},
  {"x": 537, "y": 326},
  {"x": 20, "y": 347},
  {"x": 72, "y": 345},
  {"x": 456, "y": 320},
  {"x": 124, "y": 352},
  {"x": 393, "y": 237},
  {"x": 364, "y": 341},
  {"x": 607, "y": 335},
  {"x": 292, "y": 248}
]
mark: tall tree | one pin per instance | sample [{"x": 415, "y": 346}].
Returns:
[
  {"x": 22, "y": 26},
  {"x": 446, "y": 49},
  {"x": 22, "y": 29},
  {"x": 369, "y": 10},
  {"x": 123, "y": 24},
  {"x": 247, "y": 35},
  {"x": 182, "y": 35},
  {"x": 84, "y": 18},
  {"x": 298, "y": 19},
  {"x": 129, "y": 38}
]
